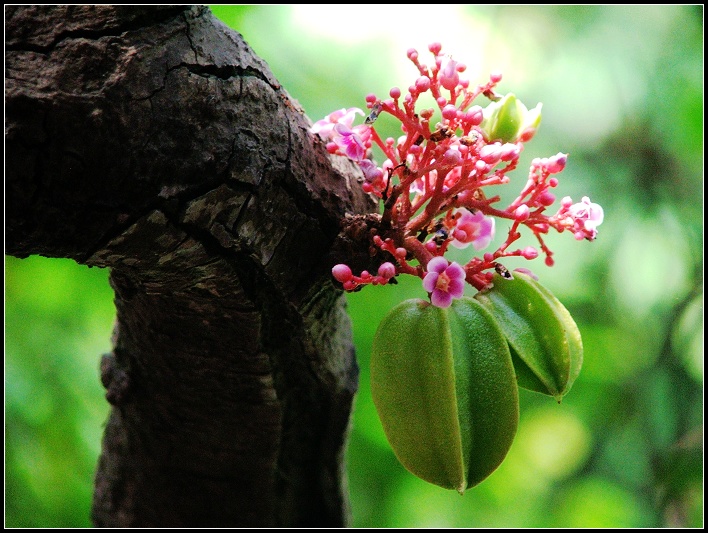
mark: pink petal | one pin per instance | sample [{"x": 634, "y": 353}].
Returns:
[
  {"x": 437, "y": 264},
  {"x": 456, "y": 288},
  {"x": 429, "y": 281},
  {"x": 441, "y": 299},
  {"x": 455, "y": 271}
]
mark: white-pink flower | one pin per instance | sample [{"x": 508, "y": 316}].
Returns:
[
  {"x": 472, "y": 228},
  {"x": 444, "y": 281},
  {"x": 587, "y": 216},
  {"x": 325, "y": 127}
]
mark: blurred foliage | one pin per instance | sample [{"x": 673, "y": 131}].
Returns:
[{"x": 622, "y": 88}]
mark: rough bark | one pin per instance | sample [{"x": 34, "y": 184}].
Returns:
[{"x": 151, "y": 140}]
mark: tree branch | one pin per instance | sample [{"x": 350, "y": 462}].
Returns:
[{"x": 152, "y": 140}]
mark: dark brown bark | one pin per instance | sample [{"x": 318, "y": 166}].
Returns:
[{"x": 151, "y": 140}]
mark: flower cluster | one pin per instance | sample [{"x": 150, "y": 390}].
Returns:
[{"x": 436, "y": 178}]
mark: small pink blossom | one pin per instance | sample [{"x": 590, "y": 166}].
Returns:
[
  {"x": 349, "y": 141},
  {"x": 444, "y": 281},
  {"x": 587, "y": 217},
  {"x": 472, "y": 228},
  {"x": 326, "y": 126}
]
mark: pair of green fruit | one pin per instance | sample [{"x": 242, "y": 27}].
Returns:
[{"x": 445, "y": 381}]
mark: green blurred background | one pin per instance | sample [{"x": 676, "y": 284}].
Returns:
[{"x": 622, "y": 89}]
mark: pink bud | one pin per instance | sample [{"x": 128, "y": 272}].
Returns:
[
  {"x": 387, "y": 270},
  {"x": 491, "y": 153},
  {"x": 422, "y": 83},
  {"x": 557, "y": 163},
  {"x": 452, "y": 157},
  {"x": 342, "y": 272},
  {"x": 509, "y": 152},
  {"x": 530, "y": 252},
  {"x": 412, "y": 54},
  {"x": 435, "y": 47},
  {"x": 449, "y": 76},
  {"x": 521, "y": 213},
  {"x": 546, "y": 198},
  {"x": 395, "y": 93},
  {"x": 495, "y": 77},
  {"x": 474, "y": 115},
  {"x": 449, "y": 112}
]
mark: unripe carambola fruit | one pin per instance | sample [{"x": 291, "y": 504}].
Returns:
[
  {"x": 444, "y": 387},
  {"x": 545, "y": 342}
]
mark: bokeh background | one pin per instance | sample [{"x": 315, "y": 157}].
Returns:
[{"x": 622, "y": 89}]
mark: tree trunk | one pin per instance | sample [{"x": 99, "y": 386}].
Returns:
[{"x": 152, "y": 140}]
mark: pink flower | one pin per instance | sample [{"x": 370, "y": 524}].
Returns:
[
  {"x": 472, "y": 228},
  {"x": 444, "y": 281},
  {"x": 325, "y": 127},
  {"x": 349, "y": 142},
  {"x": 587, "y": 216}
]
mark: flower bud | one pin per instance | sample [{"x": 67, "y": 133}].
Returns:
[
  {"x": 557, "y": 163},
  {"x": 508, "y": 120},
  {"x": 449, "y": 77},
  {"x": 342, "y": 273},
  {"x": 387, "y": 270},
  {"x": 522, "y": 212}
]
